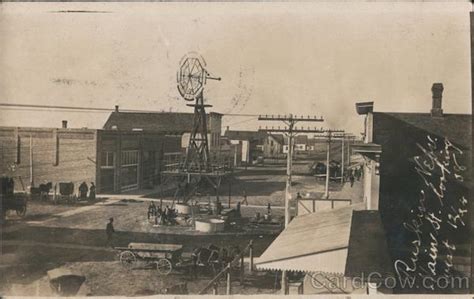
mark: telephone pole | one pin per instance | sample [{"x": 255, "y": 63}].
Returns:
[
  {"x": 329, "y": 136},
  {"x": 32, "y": 183},
  {"x": 290, "y": 130},
  {"x": 345, "y": 137}
]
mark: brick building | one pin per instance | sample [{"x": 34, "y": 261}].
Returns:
[
  {"x": 128, "y": 153},
  {"x": 175, "y": 123},
  {"x": 114, "y": 160}
]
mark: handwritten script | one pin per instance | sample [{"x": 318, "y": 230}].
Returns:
[{"x": 440, "y": 212}]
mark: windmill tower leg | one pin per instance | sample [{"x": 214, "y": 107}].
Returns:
[{"x": 197, "y": 158}]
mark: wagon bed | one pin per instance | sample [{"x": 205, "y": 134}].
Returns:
[
  {"x": 163, "y": 256},
  {"x": 152, "y": 247}
]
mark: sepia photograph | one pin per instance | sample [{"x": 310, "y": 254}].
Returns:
[{"x": 236, "y": 148}]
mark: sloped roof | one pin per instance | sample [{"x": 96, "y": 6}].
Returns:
[
  {"x": 153, "y": 121},
  {"x": 245, "y": 135},
  {"x": 310, "y": 234},
  {"x": 347, "y": 240},
  {"x": 456, "y": 127},
  {"x": 301, "y": 139}
]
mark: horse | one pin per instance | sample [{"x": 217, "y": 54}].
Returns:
[
  {"x": 44, "y": 190},
  {"x": 214, "y": 256}
]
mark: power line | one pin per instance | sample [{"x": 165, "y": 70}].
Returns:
[
  {"x": 55, "y": 110},
  {"x": 53, "y": 107},
  {"x": 36, "y": 107},
  {"x": 290, "y": 120}
]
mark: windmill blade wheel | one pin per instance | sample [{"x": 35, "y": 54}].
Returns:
[{"x": 164, "y": 266}]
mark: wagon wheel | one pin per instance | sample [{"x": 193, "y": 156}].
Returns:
[
  {"x": 127, "y": 258},
  {"x": 21, "y": 211},
  {"x": 164, "y": 266}
]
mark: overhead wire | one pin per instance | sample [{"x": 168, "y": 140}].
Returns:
[{"x": 36, "y": 107}]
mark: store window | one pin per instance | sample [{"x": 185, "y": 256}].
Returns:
[
  {"x": 129, "y": 158},
  {"x": 108, "y": 160}
]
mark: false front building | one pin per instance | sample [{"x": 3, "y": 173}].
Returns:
[{"x": 128, "y": 153}]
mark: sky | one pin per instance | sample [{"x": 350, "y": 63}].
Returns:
[{"x": 273, "y": 58}]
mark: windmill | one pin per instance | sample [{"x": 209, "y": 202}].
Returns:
[{"x": 191, "y": 78}]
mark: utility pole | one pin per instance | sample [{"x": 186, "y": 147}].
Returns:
[
  {"x": 345, "y": 137},
  {"x": 348, "y": 138},
  {"x": 329, "y": 136},
  {"x": 351, "y": 140},
  {"x": 31, "y": 162},
  {"x": 290, "y": 131},
  {"x": 343, "y": 154},
  {"x": 328, "y": 154}
]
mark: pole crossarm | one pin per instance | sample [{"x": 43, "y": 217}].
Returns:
[
  {"x": 290, "y": 131},
  {"x": 287, "y": 130},
  {"x": 291, "y": 118}
]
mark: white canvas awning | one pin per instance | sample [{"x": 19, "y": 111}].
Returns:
[
  {"x": 347, "y": 240},
  {"x": 312, "y": 242}
]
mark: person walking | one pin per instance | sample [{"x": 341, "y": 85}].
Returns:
[
  {"x": 92, "y": 191},
  {"x": 351, "y": 179},
  {"x": 245, "y": 199},
  {"x": 109, "y": 230}
]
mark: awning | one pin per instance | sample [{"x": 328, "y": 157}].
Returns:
[
  {"x": 369, "y": 150},
  {"x": 366, "y": 148},
  {"x": 348, "y": 240},
  {"x": 312, "y": 242}
]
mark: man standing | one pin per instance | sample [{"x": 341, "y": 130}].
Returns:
[
  {"x": 92, "y": 191},
  {"x": 194, "y": 265},
  {"x": 359, "y": 173},
  {"x": 238, "y": 209},
  {"x": 151, "y": 210},
  {"x": 109, "y": 230},
  {"x": 165, "y": 215},
  {"x": 83, "y": 191}
]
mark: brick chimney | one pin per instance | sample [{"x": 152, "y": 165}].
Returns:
[
  {"x": 64, "y": 124},
  {"x": 437, "y": 90},
  {"x": 116, "y": 108}
]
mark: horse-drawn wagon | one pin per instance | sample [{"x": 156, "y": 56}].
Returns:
[
  {"x": 162, "y": 256},
  {"x": 10, "y": 200},
  {"x": 166, "y": 257}
]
